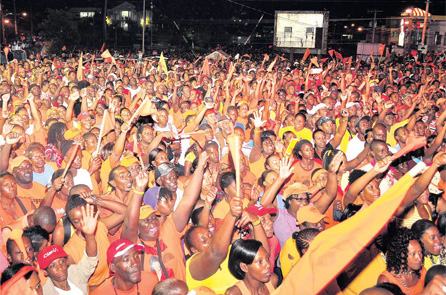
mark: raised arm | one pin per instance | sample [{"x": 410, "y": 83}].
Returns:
[
  {"x": 357, "y": 186},
  {"x": 285, "y": 171},
  {"x": 118, "y": 149},
  {"x": 89, "y": 222},
  {"x": 181, "y": 215},
  {"x": 421, "y": 184},
  {"x": 130, "y": 227},
  {"x": 336, "y": 141},
  {"x": 331, "y": 190},
  {"x": 206, "y": 263},
  {"x": 256, "y": 152}
]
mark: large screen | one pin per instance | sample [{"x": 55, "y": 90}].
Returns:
[{"x": 301, "y": 30}]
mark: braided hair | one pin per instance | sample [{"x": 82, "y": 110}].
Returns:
[
  {"x": 396, "y": 255},
  {"x": 304, "y": 238}
]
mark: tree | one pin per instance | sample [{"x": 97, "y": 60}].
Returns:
[{"x": 61, "y": 28}]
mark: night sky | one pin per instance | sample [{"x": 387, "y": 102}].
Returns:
[{"x": 227, "y": 8}]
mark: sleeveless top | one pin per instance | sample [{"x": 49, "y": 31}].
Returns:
[
  {"x": 414, "y": 290},
  {"x": 244, "y": 290},
  {"x": 407, "y": 222}
]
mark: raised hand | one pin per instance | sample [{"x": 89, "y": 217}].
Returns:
[
  {"x": 203, "y": 159},
  {"x": 89, "y": 197},
  {"x": 89, "y": 220},
  {"x": 58, "y": 183},
  {"x": 336, "y": 163},
  {"x": 285, "y": 168},
  {"x": 13, "y": 138},
  {"x": 440, "y": 159},
  {"x": 382, "y": 166},
  {"x": 236, "y": 206},
  {"x": 210, "y": 195},
  {"x": 247, "y": 217},
  {"x": 142, "y": 179},
  {"x": 257, "y": 121},
  {"x": 279, "y": 146}
]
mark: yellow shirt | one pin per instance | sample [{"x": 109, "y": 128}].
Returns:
[
  {"x": 368, "y": 277},
  {"x": 289, "y": 256},
  {"x": 222, "y": 208},
  {"x": 218, "y": 282},
  {"x": 305, "y": 133},
  {"x": 258, "y": 167}
]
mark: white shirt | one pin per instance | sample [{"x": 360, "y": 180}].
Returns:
[
  {"x": 83, "y": 177},
  {"x": 354, "y": 148},
  {"x": 73, "y": 290}
]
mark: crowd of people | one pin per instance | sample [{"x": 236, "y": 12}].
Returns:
[{"x": 223, "y": 175}]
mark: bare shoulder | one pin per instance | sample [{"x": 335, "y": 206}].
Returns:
[{"x": 234, "y": 290}]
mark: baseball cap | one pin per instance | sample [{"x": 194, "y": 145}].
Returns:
[
  {"x": 317, "y": 108},
  {"x": 188, "y": 113},
  {"x": 145, "y": 211},
  {"x": 352, "y": 104},
  {"x": 308, "y": 214},
  {"x": 151, "y": 196},
  {"x": 83, "y": 115},
  {"x": 163, "y": 169},
  {"x": 324, "y": 120},
  {"x": 128, "y": 161},
  {"x": 400, "y": 108},
  {"x": 120, "y": 247},
  {"x": 378, "y": 89},
  {"x": 359, "y": 119},
  {"x": 72, "y": 133},
  {"x": 295, "y": 189},
  {"x": 18, "y": 161},
  {"x": 49, "y": 254},
  {"x": 259, "y": 210},
  {"x": 308, "y": 94},
  {"x": 211, "y": 111}
]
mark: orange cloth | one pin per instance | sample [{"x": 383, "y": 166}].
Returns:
[
  {"x": 258, "y": 167},
  {"x": 75, "y": 248},
  {"x": 172, "y": 255},
  {"x": 105, "y": 172},
  {"x": 414, "y": 290},
  {"x": 58, "y": 205},
  {"x": 335, "y": 248},
  {"x": 36, "y": 193},
  {"x": 302, "y": 176},
  {"x": 105, "y": 213},
  {"x": 6, "y": 218},
  {"x": 145, "y": 286}
]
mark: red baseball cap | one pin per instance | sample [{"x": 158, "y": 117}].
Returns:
[
  {"x": 49, "y": 254},
  {"x": 259, "y": 210},
  {"x": 120, "y": 247},
  {"x": 83, "y": 115}
]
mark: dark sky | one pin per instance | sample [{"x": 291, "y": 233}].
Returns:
[{"x": 244, "y": 8}]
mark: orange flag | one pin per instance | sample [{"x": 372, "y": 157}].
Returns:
[
  {"x": 381, "y": 49},
  {"x": 205, "y": 68},
  {"x": 306, "y": 54},
  {"x": 103, "y": 47},
  {"x": 6, "y": 50},
  {"x": 333, "y": 249},
  {"x": 338, "y": 55},
  {"x": 162, "y": 65},
  {"x": 148, "y": 108},
  {"x": 199, "y": 138},
  {"x": 331, "y": 52}
]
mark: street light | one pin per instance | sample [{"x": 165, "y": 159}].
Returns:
[
  {"x": 360, "y": 29},
  {"x": 24, "y": 14},
  {"x": 6, "y": 21}
]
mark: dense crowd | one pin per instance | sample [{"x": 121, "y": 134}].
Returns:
[{"x": 223, "y": 175}]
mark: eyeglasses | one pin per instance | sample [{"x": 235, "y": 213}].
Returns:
[{"x": 301, "y": 199}]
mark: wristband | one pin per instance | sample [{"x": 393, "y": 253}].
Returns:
[
  {"x": 258, "y": 131},
  {"x": 137, "y": 192},
  {"x": 255, "y": 223}
]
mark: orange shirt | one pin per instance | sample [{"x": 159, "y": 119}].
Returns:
[
  {"x": 105, "y": 172},
  {"x": 258, "y": 167},
  {"x": 105, "y": 213},
  {"x": 75, "y": 248},
  {"x": 145, "y": 286},
  {"x": 172, "y": 252},
  {"x": 303, "y": 176},
  {"x": 36, "y": 193},
  {"x": 223, "y": 208},
  {"x": 58, "y": 205},
  {"x": 6, "y": 218}
]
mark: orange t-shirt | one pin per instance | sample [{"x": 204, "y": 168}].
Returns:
[
  {"x": 258, "y": 167},
  {"x": 105, "y": 213},
  {"x": 172, "y": 252},
  {"x": 58, "y": 205},
  {"x": 105, "y": 172},
  {"x": 36, "y": 193},
  {"x": 303, "y": 176},
  {"x": 145, "y": 286},
  {"x": 6, "y": 218},
  {"x": 75, "y": 248},
  {"x": 223, "y": 208}
]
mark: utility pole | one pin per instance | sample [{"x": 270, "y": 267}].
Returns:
[
  {"x": 104, "y": 22},
  {"x": 151, "y": 26},
  {"x": 423, "y": 37},
  {"x": 374, "y": 23},
  {"x": 143, "y": 24},
  {"x": 15, "y": 21}
]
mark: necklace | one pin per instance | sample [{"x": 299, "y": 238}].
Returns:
[
  {"x": 114, "y": 287},
  {"x": 404, "y": 284}
]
